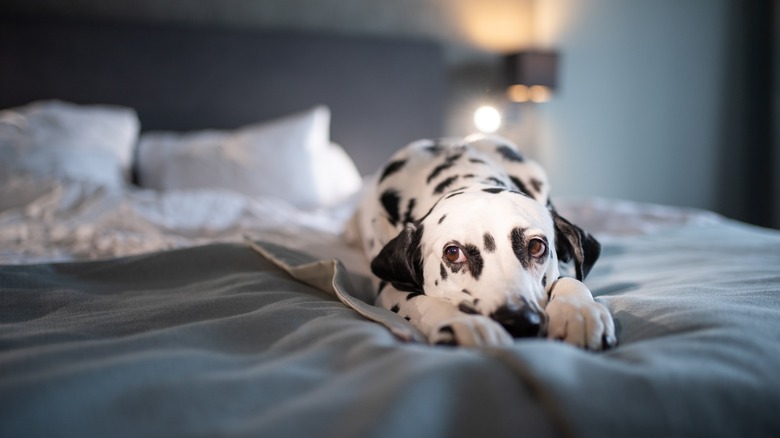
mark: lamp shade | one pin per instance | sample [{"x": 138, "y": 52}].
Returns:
[{"x": 531, "y": 68}]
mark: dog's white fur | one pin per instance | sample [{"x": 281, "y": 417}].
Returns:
[{"x": 466, "y": 246}]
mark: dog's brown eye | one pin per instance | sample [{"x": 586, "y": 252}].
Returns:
[
  {"x": 453, "y": 254},
  {"x": 537, "y": 248}
]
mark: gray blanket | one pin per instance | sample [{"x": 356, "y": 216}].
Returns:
[{"x": 218, "y": 340}]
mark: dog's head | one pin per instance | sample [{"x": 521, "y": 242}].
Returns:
[{"x": 491, "y": 252}]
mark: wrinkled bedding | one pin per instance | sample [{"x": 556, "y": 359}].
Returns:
[
  {"x": 55, "y": 220},
  {"x": 197, "y": 333}
]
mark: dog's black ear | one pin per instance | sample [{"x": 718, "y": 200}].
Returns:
[
  {"x": 573, "y": 243},
  {"x": 400, "y": 261}
]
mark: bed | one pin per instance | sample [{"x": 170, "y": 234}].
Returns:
[{"x": 152, "y": 285}]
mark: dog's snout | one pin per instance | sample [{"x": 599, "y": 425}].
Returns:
[{"x": 522, "y": 322}]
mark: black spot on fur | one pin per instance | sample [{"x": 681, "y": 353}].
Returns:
[
  {"x": 390, "y": 201},
  {"x": 510, "y": 154},
  {"x": 476, "y": 161},
  {"x": 493, "y": 190},
  {"x": 474, "y": 260},
  {"x": 455, "y": 157},
  {"x": 490, "y": 243},
  {"x": 466, "y": 291},
  {"x": 468, "y": 176},
  {"x": 520, "y": 186},
  {"x": 544, "y": 281},
  {"x": 467, "y": 308},
  {"x": 448, "y": 343},
  {"x": 435, "y": 149},
  {"x": 447, "y": 329},
  {"x": 391, "y": 168},
  {"x": 453, "y": 194},
  {"x": 442, "y": 186},
  {"x": 516, "y": 192},
  {"x": 395, "y": 309},
  {"x": 442, "y": 219},
  {"x": 537, "y": 185},
  {"x": 517, "y": 237},
  {"x": 442, "y": 271},
  {"x": 407, "y": 318},
  {"x": 495, "y": 181},
  {"x": 438, "y": 170},
  {"x": 409, "y": 217},
  {"x": 412, "y": 295}
]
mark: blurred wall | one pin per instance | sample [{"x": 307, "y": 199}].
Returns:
[
  {"x": 468, "y": 28},
  {"x": 663, "y": 101},
  {"x": 472, "y": 32},
  {"x": 641, "y": 101}
]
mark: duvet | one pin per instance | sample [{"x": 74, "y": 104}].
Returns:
[{"x": 189, "y": 338}]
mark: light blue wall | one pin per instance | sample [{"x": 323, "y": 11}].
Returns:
[
  {"x": 645, "y": 108},
  {"x": 641, "y": 101}
]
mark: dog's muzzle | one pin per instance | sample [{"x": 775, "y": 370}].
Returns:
[{"x": 523, "y": 322}]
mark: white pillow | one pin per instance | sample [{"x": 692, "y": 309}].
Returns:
[
  {"x": 289, "y": 158},
  {"x": 63, "y": 140},
  {"x": 337, "y": 176}
]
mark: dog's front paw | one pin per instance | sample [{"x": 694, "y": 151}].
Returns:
[
  {"x": 582, "y": 322},
  {"x": 470, "y": 331}
]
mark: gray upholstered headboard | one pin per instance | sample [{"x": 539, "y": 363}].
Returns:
[{"x": 382, "y": 93}]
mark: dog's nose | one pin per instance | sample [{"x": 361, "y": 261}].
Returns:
[{"x": 523, "y": 322}]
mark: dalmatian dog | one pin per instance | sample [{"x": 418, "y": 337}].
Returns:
[{"x": 466, "y": 245}]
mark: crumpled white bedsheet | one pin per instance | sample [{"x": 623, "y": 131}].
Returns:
[
  {"x": 611, "y": 219},
  {"x": 55, "y": 220},
  {"x": 43, "y": 221}
]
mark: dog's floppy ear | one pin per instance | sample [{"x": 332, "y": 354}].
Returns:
[
  {"x": 400, "y": 261},
  {"x": 572, "y": 242}
]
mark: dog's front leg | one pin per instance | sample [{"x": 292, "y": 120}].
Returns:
[
  {"x": 441, "y": 321},
  {"x": 575, "y": 318}
]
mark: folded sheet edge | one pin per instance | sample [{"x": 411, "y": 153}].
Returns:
[{"x": 331, "y": 277}]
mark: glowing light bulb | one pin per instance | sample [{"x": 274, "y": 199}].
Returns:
[
  {"x": 487, "y": 119},
  {"x": 519, "y": 93},
  {"x": 540, "y": 94}
]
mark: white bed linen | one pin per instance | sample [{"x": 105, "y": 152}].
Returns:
[
  {"x": 44, "y": 221},
  {"x": 290, "y": 158},
  {"x": 83, "y": 142}
]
